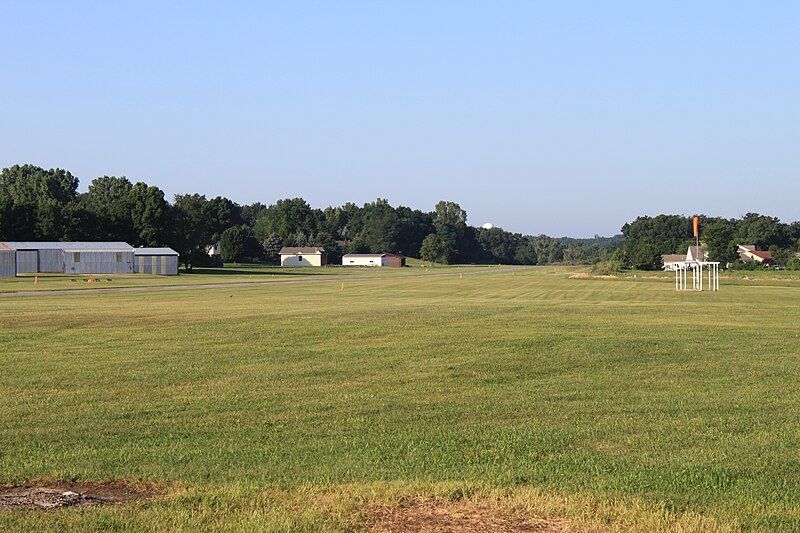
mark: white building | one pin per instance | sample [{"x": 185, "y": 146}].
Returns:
[
  {"x": 748, "y": 253},
  {"x": 696, "y": 253},
  {"x": 693, "y": 255},
  {"x": 214, "y": 250},
  {"x": 671, "y": 261},
  {"x": 378, "y": 260},
  {"x": 303, "y": 256}
]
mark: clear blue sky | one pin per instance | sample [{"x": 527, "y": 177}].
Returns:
[{"x": 565, "y": 118}]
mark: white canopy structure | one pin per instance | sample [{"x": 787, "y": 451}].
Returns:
[{"x": 697, "y": 267}]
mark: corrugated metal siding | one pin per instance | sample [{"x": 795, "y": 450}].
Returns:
[
  {"x": 164, "y": 265},
  {"x": 51, "y": 261},
  {"x": 98, "y": 262},
  {"x": 170, "y": 265},
  {"x": 27, "y": 261},
  {"x": 8, "y": 264}
]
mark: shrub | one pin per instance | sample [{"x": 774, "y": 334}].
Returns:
[
  {"x": 749, "y": 265},
  {"x": 793, "y": 264},
  {"x": 606, "y": 268}
]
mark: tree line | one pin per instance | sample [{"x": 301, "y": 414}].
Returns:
[
  {"x": 38, "y": 204},
  {"x": 44, "y": 205}
]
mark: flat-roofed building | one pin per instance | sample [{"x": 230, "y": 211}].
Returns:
[
  {"x": 161, "y": 261},
  {"x": 303, "y": 256},
  {"x": 72, "y": 257},
  {"x": 30, "y": 257},
  {"x": 382, "y": 259}
]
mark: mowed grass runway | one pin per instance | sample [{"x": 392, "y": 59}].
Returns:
[{"x": 612, "y": 404}]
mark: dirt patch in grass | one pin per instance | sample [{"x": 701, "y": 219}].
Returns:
[
  {"x": 586, "y": 275},
  {"x": 71, "y": 494},
  {"x": 429, "y": 515}
]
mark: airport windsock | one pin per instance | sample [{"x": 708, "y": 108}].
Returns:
[{"x": 696, "y": 225}]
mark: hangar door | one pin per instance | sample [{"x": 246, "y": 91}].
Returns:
[{"x": 27, "y": 261}]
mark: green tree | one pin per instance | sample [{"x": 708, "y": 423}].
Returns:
[
  {"x": 498, "y": 246},
  {"x": 221, "y": 214},
  {"x": 763, "y": 231},
  {"x": 233, "y": 243},
  {"x": 110, "y": 200},
  {"x": 525, "y": 254},
  {"x": 381, "y": 227},
  {"x": 32, "y": 202},
  {"x": 449, "y": 214},
  {"x": 272, "y": 245},
  {"x": 719, "y": 237},
  {"x": 434, "y": 249},
  {"x": 648, "y": 238},
  {"x": 286, "y": 219},
  {"x": 450, "y": 224},
  {"x": 192, "y": 228},
  {"x": 413, "y": 226},
  {"x": 80, "y": 224},
  {"x": 645, "y": 255},
  {"x": 150, "y": 215},
  {"x": 250, "y": 213}
]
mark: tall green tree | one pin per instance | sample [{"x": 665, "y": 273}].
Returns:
[
  {"x": 434, "y": 249},
  {"x": 414, "y": 226},
  {"x": 719, "y": 238},
  {"x": 251, "y": 212},
  {"x": 32, "y": 202},
  {"x": 110, "y": 200},
  {"x": 286, "y": 219},
  {"x": 381, "y": 227},
  {"x": 150, "y": 215},
  {"x": 221, "y": 214},
  {"x": 763, "y": 231},
  {"x": 192, "y": 230},
  {"x": 272, "y": 245},
  {"x": 450, "y": 224},
  {"x": 233, "y": 243},
  {"x": 498, "y": 246}
]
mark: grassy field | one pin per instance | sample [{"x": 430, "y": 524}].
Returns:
[
  {"x": 610, "y": 403},
  {"x": 235, "y": 274}
]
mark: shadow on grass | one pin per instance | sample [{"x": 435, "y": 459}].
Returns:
[{"x": 260, "y": 272}]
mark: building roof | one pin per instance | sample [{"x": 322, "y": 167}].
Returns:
[
  {"x": 673, "y": 258},
  {"x": 748, "y": 251},
  {"x": 762, "y": 254},
  {"x": 71, "y": 246},
  {"x": 154, "y": 251},
  {"x": 697, "y": 252},
  {"x": 383, "y": 254},
  {"x": 292, "y": 250}
]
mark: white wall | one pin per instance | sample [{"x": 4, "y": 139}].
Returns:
[
  {"x": 301, "y": 260},
  {"x": 362, "y": 261}
]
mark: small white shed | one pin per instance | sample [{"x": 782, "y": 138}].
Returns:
[{"x": 303, "y": 256}]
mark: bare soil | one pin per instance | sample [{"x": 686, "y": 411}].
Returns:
[
  {"x": 70, "y": 494},
  {"x": 428, "y": 515}
]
